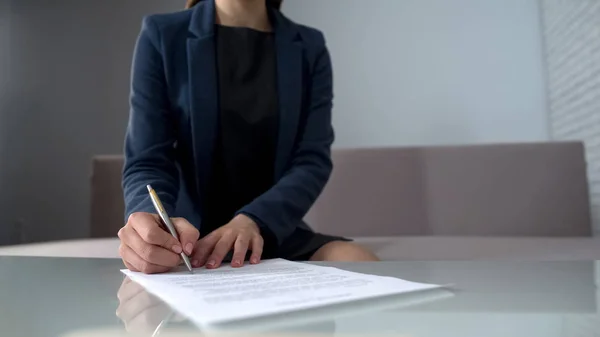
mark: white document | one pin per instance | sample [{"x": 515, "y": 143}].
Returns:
[{"x": 274, "y": 286}]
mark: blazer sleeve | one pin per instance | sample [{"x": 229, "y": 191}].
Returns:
[
  {"x": 150, "y": 137},
  {"x": 283, "y": 207}
]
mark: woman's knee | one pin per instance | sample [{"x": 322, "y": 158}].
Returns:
[{"x": 343, "y": 251}]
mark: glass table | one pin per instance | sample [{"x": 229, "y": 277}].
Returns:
[{"x": 90, "y": 297}]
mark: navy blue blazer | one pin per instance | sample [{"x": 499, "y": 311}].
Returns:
[{"x": 173, "y": 119}]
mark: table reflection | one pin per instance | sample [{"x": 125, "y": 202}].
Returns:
[
  {"x": 142, "y": 312},
  {"x": 519, "y": 292},
  {"x": 55, "y": 296}
]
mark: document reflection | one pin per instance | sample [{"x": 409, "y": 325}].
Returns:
[{"x": 145, "y": 314}]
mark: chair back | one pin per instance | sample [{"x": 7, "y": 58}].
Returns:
[
  {"x": 533, "y": 189},
  {"x": 107, "y": 210}
]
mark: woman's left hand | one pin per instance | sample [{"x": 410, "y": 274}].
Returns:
[{"x": 240, "y": 234}]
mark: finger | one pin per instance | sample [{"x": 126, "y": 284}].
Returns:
[
  {"x": 221, "y": 249},
  {"x": 188, "y": 234},
  {"x": 239, "y": 251},
  {"x": 129, "y": 266},
  {"x": 149, "y": 252},
  {"x": 122, "y": 252},
  {"x": 148, "y": 228},
  {"x": 138, "y": 263},
  {"x": 257, "y": 249},
  {"x": 204, "y": 248}
]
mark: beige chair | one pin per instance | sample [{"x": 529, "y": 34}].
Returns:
[
  {"x": 504, "y": 201},
  {"x": 107, "y": 208},
  {"x": 480, "y": 190},
  {"x": 517, "y": 201}
]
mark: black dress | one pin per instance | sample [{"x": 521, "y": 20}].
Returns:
[{"x": 244, "y": 157}]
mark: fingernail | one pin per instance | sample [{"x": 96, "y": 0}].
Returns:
[
  {"x": 211, "y": 263},
  {"x": 195, "y": 263},
  {"x": 254, "y": 260},
  {"x": 237, "y": 262},
  {"x": 177, "y": 249},
  {"x": 188, "y": 248}
]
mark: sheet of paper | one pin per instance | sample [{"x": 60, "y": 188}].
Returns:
[{"x": 273, "y": 286}]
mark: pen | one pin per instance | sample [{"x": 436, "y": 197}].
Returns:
[{"x": 167, "y": 221}]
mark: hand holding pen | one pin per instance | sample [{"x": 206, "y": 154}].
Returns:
[{"x": 147, "y": 246}]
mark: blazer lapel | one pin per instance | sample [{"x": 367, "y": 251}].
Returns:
[
  {"x": 289, "y": 84},
  {"x": 203, "y": 93}
]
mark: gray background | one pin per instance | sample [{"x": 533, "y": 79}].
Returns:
[
  {"x": 70, "y": 62},
  {"x": 415, "y": 72},
  {"x": 410, "y": 72}
]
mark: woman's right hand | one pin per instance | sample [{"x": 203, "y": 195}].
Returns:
[{"x": 146, "y": 247}]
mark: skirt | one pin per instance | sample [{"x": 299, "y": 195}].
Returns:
[{"x": 300, "y": 246}]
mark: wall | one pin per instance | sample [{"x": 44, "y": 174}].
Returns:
[
  {"x": 4, "y": 94},
  {"x": 432, "y": 71},
  {"x": 69, "y": 100},
  {"x": 572, "y": 52}
]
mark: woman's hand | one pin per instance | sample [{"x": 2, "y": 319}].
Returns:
[
  {"x": 240, "y": 234},
  {"x": 148, "y": 248}
]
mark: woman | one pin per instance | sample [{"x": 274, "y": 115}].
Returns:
[{"x": 231, "y": 124}]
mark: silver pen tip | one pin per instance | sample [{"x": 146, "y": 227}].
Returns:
[
  {"x": 149, "y": 188},
  {"x": 186, "y": 260}
]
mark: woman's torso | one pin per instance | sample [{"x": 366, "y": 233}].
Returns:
[
  {"x": 187, "y": 57},
  {"x": 244, "y": 154}
]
